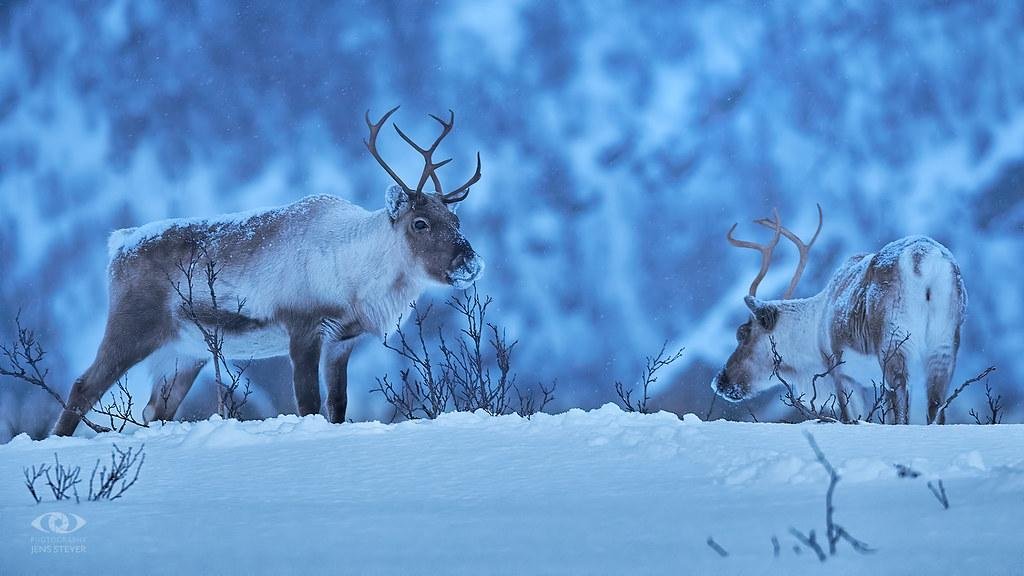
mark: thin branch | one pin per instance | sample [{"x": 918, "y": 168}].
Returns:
[
  {"x": 995, "y": 408},
  {"x": 120, "y": 408},
  {"x": 717, "y": 547},
  {"x": 941, "y": 412},
  {"x": 939, "y": 491},
  {"x": 23, "y": 360},
  {"x": 32, "y": 476},
  {"x": 652, "y": 365},
  {"x": 810, "y": 541},
  {"x": 833, "y": 531},
  {"x": 65, "y": 480},
  {"x": 112, "y": 482}
]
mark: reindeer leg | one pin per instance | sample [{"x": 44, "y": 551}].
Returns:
[
  {"x": 940, "y": 365},
  {"x": 339, "y": 340},
  {"x": 895, "y": 372},
  {"x": 304, "y": 350},
  {"x": 134, "y": 330},
  {"x": 173, "y": 377},
  {"x": 337, "y": 379}
]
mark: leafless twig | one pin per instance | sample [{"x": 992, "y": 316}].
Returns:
[
  {"x": 229, "y": 378},
  {"x": 717, "y": 547},
  {"x": 809, "y": 409},
  {"x": 422, "y": 394},
  {"x": 23, "y": 360},
  {"x": 112, "y": 482},
  {"x": 810, "y": 541},
  {"x": 462, "y": 375},
  {"x": 833, "y": 531},
  {"x": 884, "y": 403},
  {"x": 463, "y": 364},
  {"x": 119, "y": 410},
  {"x": 534, "y": 401},
  {"x": 941, "y": 412},
  {"x": 64, "y": 483},
  {"x": 939, "y": 491},
  {"x": 31, "y": 476},
  {"x": 995, "y": 408},
  {"x": 650, "y": 375}
]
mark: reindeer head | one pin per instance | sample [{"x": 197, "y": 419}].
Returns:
[
  {"x": 426, "y": 221},
  {"x": 748, "y": 370}
]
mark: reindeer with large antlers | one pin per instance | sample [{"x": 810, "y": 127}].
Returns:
[
  {"x": 309, "y": 278},
  {"x": 886, "y": 311}
]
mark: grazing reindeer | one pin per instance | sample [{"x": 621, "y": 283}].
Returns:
[
  {"x": 911, "y": 289},
  {"x": 313, "y": 276}
]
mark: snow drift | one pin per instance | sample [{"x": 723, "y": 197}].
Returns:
[{"x": 580, "y": 492}]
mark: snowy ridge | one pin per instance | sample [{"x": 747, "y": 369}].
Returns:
[{"x": 581, "y": 492}]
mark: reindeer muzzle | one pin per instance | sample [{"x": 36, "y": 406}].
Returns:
[
  {"x": 727, "y": 389},
  {"x": 466, "y": 268}
]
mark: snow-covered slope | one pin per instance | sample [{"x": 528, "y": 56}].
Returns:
[{"x": 601, "y": 492}]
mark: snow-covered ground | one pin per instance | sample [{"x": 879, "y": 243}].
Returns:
[{"x": 581, "y": 492}]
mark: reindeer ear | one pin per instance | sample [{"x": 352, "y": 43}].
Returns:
[
  {"x": 752, "y": 302},
  {"x": 397, "y": 201},
  {"x": 767, "y": 315}
]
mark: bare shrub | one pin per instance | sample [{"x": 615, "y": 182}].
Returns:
[
  {"x": 65, "y": 480},
  {"x": 31, "y": 476},
  {"x": 956, "y": 392},
  {"x": 423, "y": 393},
  {"x": 834, "y": 532},
  {"x": 994, "y": 414},
  {"x": 229, "y": 377},
  {"x": 536, "y": 400},
  {"x": 474, "y": 386},
  {"x": 472, "y": 371},
  {"x": 112, "y": 482},
  {"x": 829, "y": 409},
  {"x": 105, "y": 483},
  {"x": 938, "y": 490},
  {"x": 23, "y": 358},
  {"x": 119, "y": 408},
  {"x": 652, "y": 365},
  {"x": 883, "y": 405},
  {"x": 62, "y": 480}
]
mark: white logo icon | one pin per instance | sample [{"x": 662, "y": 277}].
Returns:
[{"x": 58, "y": 523}]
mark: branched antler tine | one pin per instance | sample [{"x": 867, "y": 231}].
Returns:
[
  {"x": 408, "y": 140},
  {"x": 765, "y": 250},
  {"x": 803, "y": 249},
  {"x": 371, "y": 145},
  {"x": 429, "y": 167},
  {"x": 460, "y": 193},
  {"x": 447, "y": 126}
]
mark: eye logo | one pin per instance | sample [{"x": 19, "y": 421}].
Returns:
[{"x": 58, "y": 523}]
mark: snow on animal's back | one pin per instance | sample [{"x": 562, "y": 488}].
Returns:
[
  {"x": 244, "y": 225},
  {"x": 928, "y": 273}
]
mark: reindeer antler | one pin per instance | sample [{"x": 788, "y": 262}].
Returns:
[
  {"x": 803, "y": 248},
  {"x": 371, "y": 145},
  {"x": 765, "y": 250},
  {"x": 430, "y": 167}
]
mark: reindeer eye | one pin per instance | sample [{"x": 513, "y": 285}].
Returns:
[
  {"x": 743, "y": 332},
  {"x": 420, "y": 224}
]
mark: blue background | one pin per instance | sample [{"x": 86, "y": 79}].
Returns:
[{"x": 620, "y": 140}]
